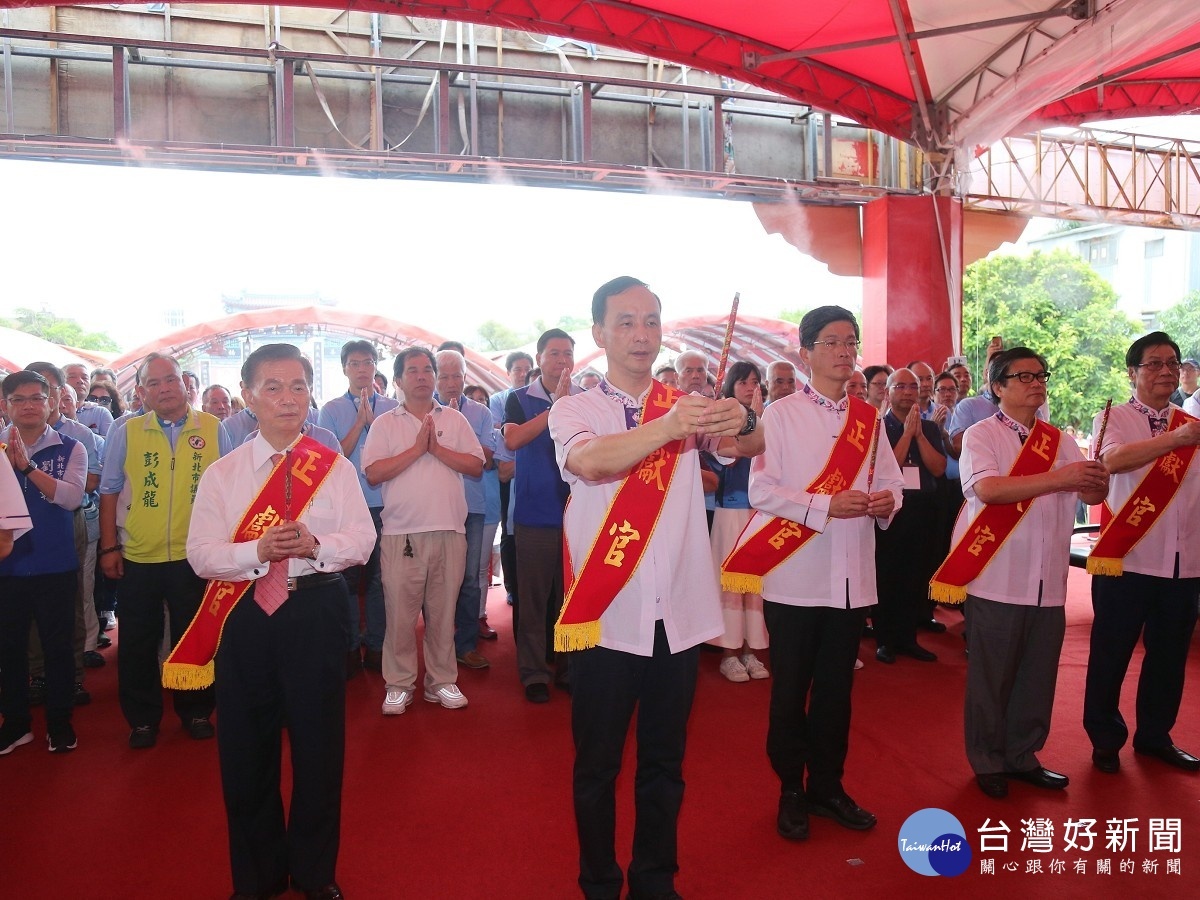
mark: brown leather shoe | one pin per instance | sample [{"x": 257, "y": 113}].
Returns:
[
  {"x": 486, "y": 631},
  {"x": 472, "y": 659}
]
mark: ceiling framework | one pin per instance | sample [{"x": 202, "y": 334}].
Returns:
[{"x": 924, "y": 73}]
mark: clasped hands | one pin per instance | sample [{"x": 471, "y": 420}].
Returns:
[
  {"x": 286, "y": 540},
  {"x": 855, "y": 504},
  {"x": 701, "y": 416}
]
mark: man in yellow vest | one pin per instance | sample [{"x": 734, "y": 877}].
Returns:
[{"x": 152, "y": 467}]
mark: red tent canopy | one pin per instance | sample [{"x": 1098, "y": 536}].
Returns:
[{"x": 941, "y": 75}]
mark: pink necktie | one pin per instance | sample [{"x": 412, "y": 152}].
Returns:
[{"x": 271, "y": 591}]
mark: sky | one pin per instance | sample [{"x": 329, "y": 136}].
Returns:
[{"x": 112, "y": 247}]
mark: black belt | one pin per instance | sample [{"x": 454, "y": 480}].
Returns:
[{"x": 303, "y": 582}]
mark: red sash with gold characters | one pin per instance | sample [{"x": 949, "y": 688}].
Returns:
[
  {"x": 756, "y": 554},
  {"x": 622, "y": 538},
  {"x": 190, "y": 665},
  {"x": 1144, "y": 507},
  {"x": 995, "y": 522}
]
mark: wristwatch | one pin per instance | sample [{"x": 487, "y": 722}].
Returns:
[
  {"x": 29, "y": 468},
  {"x": 312, "y": 554},
  {"x": 751, "y": 423}
]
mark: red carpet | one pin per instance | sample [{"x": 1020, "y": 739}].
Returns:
[{"x": 476, "y": 803}]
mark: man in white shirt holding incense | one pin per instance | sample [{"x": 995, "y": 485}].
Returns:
[{"x": 641, "y": 598}]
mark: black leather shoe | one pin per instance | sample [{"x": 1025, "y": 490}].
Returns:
[
  {"x": 916, "y": 651},
  {"x": 792, "y": 821},
  {"x": 329, "y": 892},
  {"x": 1172, "y": 756},
  {"x": 932, "y": 625},
  {"x": 994, "y": 785},
  {"x": 885, "y": 654},
  {"x": 537, "y": 693},
  {"x": 1042, "y": 778},
  {"x": 200, "y": 729},
  {"x": 1107, "y": 761},
  {"x": 842, "y": 810}
]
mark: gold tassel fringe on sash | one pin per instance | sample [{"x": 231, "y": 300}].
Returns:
[
  {"x": 741, "y": 583},
  {"x": 1105, "y": 565},
  {"x": 951, "y": 594},
  {"x": 188, "y": 677},
  {"x": 579, "y": 636}
]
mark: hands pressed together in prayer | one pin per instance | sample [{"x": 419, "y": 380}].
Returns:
[
  {"x": 365, "y": 414},
  {"x": 286, "y": 540},
  {"x": 15, "y": 450},
  {"x": 427, "y": 436}
]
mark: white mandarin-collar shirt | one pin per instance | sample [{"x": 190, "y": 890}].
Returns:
[
  {"x": 1034, "y": 561},
  {"x": 836, "y": 567},
  {"x": 1177, "y": 531},
  {"x": 674, "y": 580}
]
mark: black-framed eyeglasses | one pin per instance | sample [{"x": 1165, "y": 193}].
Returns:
[
  {"x": 1027, "y": 377},
  {"x": 103, "y": 400},
  {"x": 1156, "y": 365},
  {"x": 852, "y": 345}
]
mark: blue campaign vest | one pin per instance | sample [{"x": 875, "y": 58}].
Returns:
[
  {"x": 48, "y": 547},
  {"x": 541, "y": 494}
]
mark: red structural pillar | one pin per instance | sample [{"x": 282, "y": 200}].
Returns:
[{"x": 912, "y": 287}]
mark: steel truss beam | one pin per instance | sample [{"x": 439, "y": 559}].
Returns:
[
  {"x": 288, "y": 75},
  {"x": 1092, "y": 175}
]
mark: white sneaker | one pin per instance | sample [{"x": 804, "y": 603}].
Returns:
[
  {"x": 396, "y": 702},
  {"x": 732, "y": 668},
  {"x": 754, "y": 668},
  {"x": 448, "y": 695}
]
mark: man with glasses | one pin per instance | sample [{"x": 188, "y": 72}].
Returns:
[
  {"x": 1145, "y": 566},
  {"x": 87, "y": 626},
  {"x": 350, "y": 417},
  {"x": 819, "y": 489},
  {"x": 38, "y": 579},
  {"x": 1022, "y": 478},
  {"x": 904, "y": 551},
  {"x": 152, "y": 469}
]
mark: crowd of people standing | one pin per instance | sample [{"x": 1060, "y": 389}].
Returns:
[{"x": 272, "y": 550}]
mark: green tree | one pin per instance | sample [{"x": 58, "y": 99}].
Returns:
[
  {"x": 495, "y": 335},
  {"x": 1182, "y": 323},
  {"x": 792, "y": 315},
  {"x": 68, "y": 332},
  {"x": 1056, "y": 304}
]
